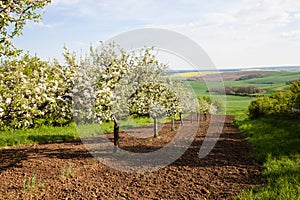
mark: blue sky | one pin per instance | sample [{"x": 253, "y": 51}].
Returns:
[{"x": 234, "y": 33}]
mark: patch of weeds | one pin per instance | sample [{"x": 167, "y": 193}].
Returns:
[
  {"x": 29, "y": 184},
  {"x": 41, "y": 186},
  {"x": 68, "y": 172}
]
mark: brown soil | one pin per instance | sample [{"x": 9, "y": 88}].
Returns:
[{"x": 67, "y": 170}]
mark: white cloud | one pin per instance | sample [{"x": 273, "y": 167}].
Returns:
[
  {"x": 297, "y": 16},
  {"x": 268, "y": 14},
  {"x": 234, "y": 32},
  {"x": 265, "y": 14},
  {"x": 247, "y": 34},
  {"x": 219, "y": 19},
  {"x": 293, "y": 35},
  {"x": 77, "y": 8},
  {"x": 44, "y": 25}
]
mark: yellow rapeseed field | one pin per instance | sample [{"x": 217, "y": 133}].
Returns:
[{"x": 191, "y": 74}]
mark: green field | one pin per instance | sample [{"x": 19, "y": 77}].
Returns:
[
  {"x": 278, "y": 79},
  {"x": 236, "y": 105}
]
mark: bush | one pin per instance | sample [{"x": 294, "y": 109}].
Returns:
[
  {"x": 278, "y": 105},
  {"x": 290, "y": 82}
]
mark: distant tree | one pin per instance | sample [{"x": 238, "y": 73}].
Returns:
[
  {"x": 241, "y": 90},
  {"x": 251, "y": 76},
  {"x": 205, "y": 106},
  {"x": 13, "y": 16}
]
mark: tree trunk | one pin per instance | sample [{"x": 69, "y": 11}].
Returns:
[
  {"x": 116, "y": 132},
  {"x": 173, "y": 124},
  {"x": 181, "y": 121},
  {"x": 191, "y": 117},
  {"x": 155, "y": 127},
  {"x": 198, "y": 117}
]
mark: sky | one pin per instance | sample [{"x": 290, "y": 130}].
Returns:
[{"x": 234, "y": 33}]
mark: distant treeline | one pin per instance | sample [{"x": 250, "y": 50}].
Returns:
[
  {"x": 249, "y": 77},
  {"x": 238, "y": 91}
]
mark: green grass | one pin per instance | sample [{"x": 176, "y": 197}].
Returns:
[
  {"x": 38, "y": 135},
  {"x": 237, "y": 105},
  {"x": 47, "y": 134},
  {"x": 277, "y": 145}
]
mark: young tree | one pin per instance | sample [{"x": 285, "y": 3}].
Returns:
[
  {"x": 187, "y": 103},
  {"x": 205, "y": 106},
  {"x": 97, "y": 94},
  {"x": 155, "y": 100},
  {"x": 13, "y": 16}
]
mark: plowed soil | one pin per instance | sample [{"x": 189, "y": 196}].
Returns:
[{"x": 66, "y": 170}]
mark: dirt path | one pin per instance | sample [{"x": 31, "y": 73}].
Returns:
[{"x": 68, "y": 171}]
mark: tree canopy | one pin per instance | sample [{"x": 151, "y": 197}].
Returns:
[{"x": 13, "y": 16}]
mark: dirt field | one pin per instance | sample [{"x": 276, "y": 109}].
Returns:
[{"x": 68, "y": 171}]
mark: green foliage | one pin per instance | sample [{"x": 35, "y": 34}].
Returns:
[
  {"x": 13, "y": 16},
  {"x": 276, "y": 143},
  {"x": 279, "y": 104}
]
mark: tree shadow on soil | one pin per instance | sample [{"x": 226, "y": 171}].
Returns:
[{"x": 230, "y": 150}]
